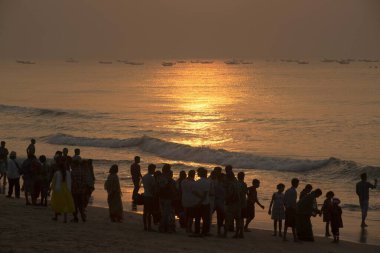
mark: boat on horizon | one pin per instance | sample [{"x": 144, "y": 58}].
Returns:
[
  {"x": 206, "y": 62},
  {"x": 25, "y": 62},
  {"x": 328, "y": 60},
  {"x": 167, "y": 64},
  {"x": 105, "y": 62},
  {"x": 135, "y": 63},
  {"x": 302, "y": 62},
  {"x": 181, "y": 61},
  {"x": 343, "y": 61},
  {"x": 232, "y": 62},
  {"x": 71, "y": 60}
]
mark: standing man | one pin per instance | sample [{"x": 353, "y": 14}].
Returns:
[
  {"x": 290, "y": 202},
  {"x": 31, "y": 149},
  {"x": 202, "y": 191},
  {"x": 362, "y": 190},
  {"x": 136, "y": 179},
  {"x": 3, "y": 166},
  {"x": 149, "y": 192}
]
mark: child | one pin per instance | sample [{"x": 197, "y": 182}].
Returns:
[
  {"x": 278, "y": 211},
  {"x": 327, "y": 205},
  {"x": 336, "y": 218},
  {"x": 251, "y": 201}
]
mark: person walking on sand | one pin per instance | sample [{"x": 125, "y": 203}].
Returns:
[
  {"x": 362, "y": 190},
  {"x": 251, "y": 201},
  {"x": 136, "y": 179},
  {"x": 3, "y": 166},
  {"x": 61, "y": 199},
  {"x": 290, "y": 203},
  {"x": 278, "y": 212},
  {"x": 112, "y": 186}
]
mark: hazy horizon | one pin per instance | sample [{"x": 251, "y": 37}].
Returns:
[{"x": 96, "y": 29}]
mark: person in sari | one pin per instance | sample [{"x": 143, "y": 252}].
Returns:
[
  {"x": 112, "y": 186},
  {"x": 305, "y": 209},
  {"x": 61, "y": 199}
]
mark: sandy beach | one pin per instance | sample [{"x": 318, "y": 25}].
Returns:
[{"x": 30, "y": 229}]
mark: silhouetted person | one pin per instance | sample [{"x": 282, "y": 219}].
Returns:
[
  {"x": 243, "y": 195},
  {"x": 136, "y": 179},
  {"x": 308, "y": 188},
  {"x": 202, "y": 191},
  {"x": 290, "y": 202},
  {"x": 45, "y": 179},
  {"x": 3, "y": 166},
  {"x": 165, "y": 193},
  {"x": 336, "y": 218},
  {"x": 327, "y": 204},
  {"x": 220, "y": 198},
  {"x": 112, "y": 186},
  {"x": 149, "y": 184},
  {"x": 278, "y": 212},
  {"x": 31, "y": 149},
  {"x": 77, "y": 154},
  {"x": 251, "y": 201},
  {"x": 178, "y": 207},
  {"x": 233, "y": 205},
  {"x": 78, "y": 189},
  {"x": 13, "y": 175},
  {"x": 305, "y": 209},
  {"x": 362, "y": 190},
  {"x": 189, "y": 200}
]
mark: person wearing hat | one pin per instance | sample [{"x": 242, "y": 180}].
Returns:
[{"x": 13, "y": 174}]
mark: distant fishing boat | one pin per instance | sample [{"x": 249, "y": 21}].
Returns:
[
  {"x": 105, "y": 62},
  {"x": 343, "y": 61},
  {"x": 71, "y": 60},
  {"x": 328, "y": 60},
  {"x": 232, "y": 62},
  {"x": 167, "y": 64},
  {"x": 25, "y": 62},
  {"x": 302, "y": 62},
  {"x": 206, "y": 62},
  {"x": 135, "y": 63},
  {"x": 181, "y": 61}
]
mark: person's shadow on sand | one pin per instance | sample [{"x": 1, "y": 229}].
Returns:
[{"x": 363, "y": 235}]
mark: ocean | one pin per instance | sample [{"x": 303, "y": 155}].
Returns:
[{"x": 273, "y": 120}]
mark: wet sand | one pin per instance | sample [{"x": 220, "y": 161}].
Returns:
[{"x": 30, "y": 229}]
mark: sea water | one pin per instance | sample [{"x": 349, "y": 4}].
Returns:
[{"x": 319, "y": 122}]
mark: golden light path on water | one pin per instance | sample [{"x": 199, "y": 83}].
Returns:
[{"x": 200, "y": 91}]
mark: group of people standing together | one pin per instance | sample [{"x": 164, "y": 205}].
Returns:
[
  {"x": 70, "y": 180},
  {"x": 193, "y": 201}
]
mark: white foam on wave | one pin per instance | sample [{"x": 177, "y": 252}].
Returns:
[{"x": 177, "y": 151}]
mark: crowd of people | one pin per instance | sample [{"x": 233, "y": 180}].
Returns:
[
  {"x": 193, "y": 201},
  {"x": 68, "y": 180}
]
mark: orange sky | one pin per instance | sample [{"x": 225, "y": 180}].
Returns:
[{"x": 189, "y": 28}]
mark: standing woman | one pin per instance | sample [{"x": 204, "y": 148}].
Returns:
[
  {"x": 61, "y": 199},
  {"x": 112, "y": 186}
]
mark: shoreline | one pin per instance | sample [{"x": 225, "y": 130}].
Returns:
[{"x": 98, "y": 234}]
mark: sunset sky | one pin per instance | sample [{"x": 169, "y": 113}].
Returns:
[{"x": 189, "y": 28}]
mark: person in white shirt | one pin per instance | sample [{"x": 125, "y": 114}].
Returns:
[
  {"x": 13, "y": 176},
  {"x": 149, "y": 192},
  {"x": 202, "y": 191}
]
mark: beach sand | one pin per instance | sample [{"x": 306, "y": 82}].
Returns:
[{"x": 30, "y": 229}]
